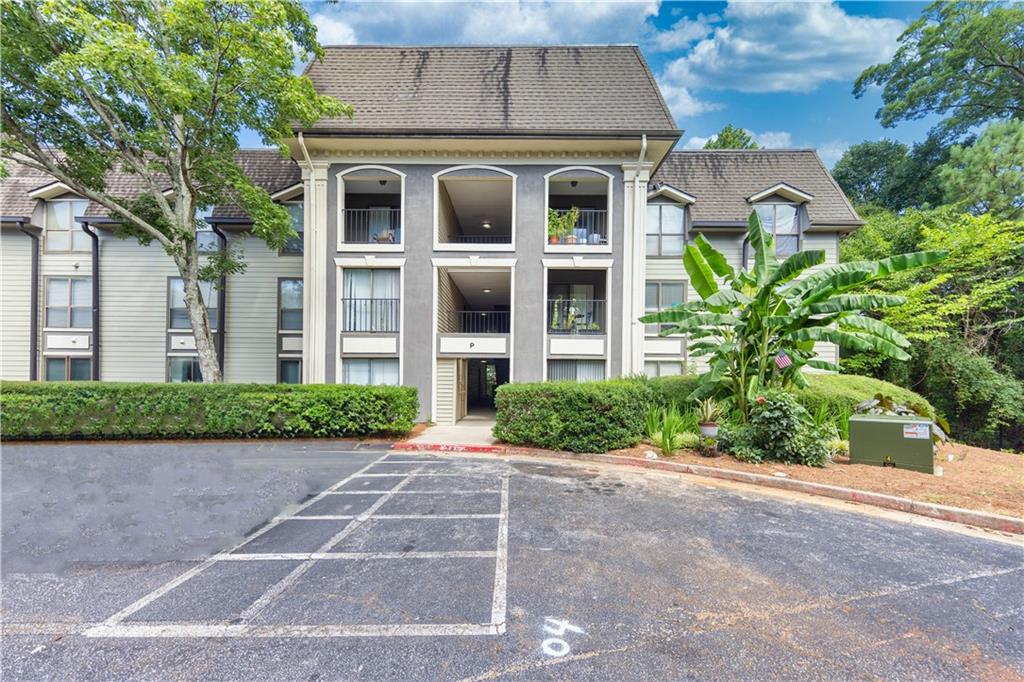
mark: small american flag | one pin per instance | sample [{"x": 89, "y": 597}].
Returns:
[{"x": 782, "y": 360}]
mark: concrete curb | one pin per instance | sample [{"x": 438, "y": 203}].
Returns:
[{"x": 1006, "y": 524}]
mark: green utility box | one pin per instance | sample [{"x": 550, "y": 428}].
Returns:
[{"x": 891, "y": 440}]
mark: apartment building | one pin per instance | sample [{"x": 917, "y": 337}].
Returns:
[{"x": 424, "y": 255}]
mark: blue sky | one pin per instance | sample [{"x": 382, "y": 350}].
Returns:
[{"x": 783, "y": 71}]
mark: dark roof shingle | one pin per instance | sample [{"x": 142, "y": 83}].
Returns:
[
  {"x": 513, "y": 90},
  {"x": 722, "y": 180}
]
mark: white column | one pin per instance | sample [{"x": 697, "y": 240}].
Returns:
[
  {"x": 314, "y": 273},
  {"x": 634, "y": 264}
]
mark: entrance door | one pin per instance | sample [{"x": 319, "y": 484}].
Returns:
[{"x": 461, "y": 394}]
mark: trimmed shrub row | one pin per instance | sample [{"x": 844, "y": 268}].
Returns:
[
  {"x": 839, "y": 392},
  {"x": 562, "y": 415},
  {"x": 120, "y": 410}
]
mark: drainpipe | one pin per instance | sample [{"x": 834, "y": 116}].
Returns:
[
  {"x": 222, "y": 309},
  {"x": 95, "y": 299},
  {"x": 33, "y": 334}
]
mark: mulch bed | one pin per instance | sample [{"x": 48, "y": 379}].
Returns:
[{"x": 972, "y": 478}]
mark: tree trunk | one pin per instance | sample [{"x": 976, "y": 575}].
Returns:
[{"x": 209, "y": 363}]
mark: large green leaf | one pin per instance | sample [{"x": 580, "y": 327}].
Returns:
[
  {"x": 795, "y": 264},
  {"x": 701, "y": 276},
  {"x": 877, "y": 269},
  {"x": 714, "y": 257},
  {"x": 858, "y": 323},
  {"x": 835, "y": 284},
  {"x": 854, "y": 303},
  {"x": 823, "y": 364},
  {"x": 764, "y": 249},
  {"x": 858, "y": 342},
  {"x": 727, "y": 298}
]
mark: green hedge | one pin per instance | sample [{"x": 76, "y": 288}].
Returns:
[
  {"x": 840, "y": 392},
  {"x": 67, "y": 410},
  {"x": 580, "y": 417}
]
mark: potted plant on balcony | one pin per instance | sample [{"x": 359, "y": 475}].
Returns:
[
  {"x": 560, "y": 225},
  {"x": 708, "y": 414}
]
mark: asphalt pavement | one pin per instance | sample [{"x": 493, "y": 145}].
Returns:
[{"x": 320, "y": 560}]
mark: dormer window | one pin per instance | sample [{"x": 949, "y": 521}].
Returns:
[
  {"x": 296, "y": 212},
  {"x": 781, "y": 221},
  {"x": 62, "y": 232},
  {"x": 207, "y": 240}
]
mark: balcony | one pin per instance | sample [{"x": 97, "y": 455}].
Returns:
[
  {"x": 591, "y": 228},
  {"x": 382, "y": 225},
  {"x": 371, "y": 315},
  {"x": 475, "y": 210},
  {"x": 584, "y": 193},
  {"x": 576, "y": 316},
  {"x": 479, "y": 321}
]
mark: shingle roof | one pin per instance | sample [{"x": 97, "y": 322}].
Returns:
[
  {"x": 511, "y": 90},
  {"x": 721, "y": 181},
  {"x": 267, "y": 168}
]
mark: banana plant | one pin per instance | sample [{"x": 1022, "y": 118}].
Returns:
[{"x": 759, "y": 325}]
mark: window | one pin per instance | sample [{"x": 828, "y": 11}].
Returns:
[
  {"x": 69, "y": 302},
  {"x": 183, "y": 370},
  {"x": 68, "y": 369},
  {"x": 665, "y": 230},
  {"x": 370, "y": 371},
  {"x": 289, "y": 301},
  {"x": 62, "y": 232},
  {"x": 660, "y": 296},
  {"x": 294, "y": 244},
  {"x": 781, "y": 221},
  {"x": 289, "y": 371},
  {"x": 207, "y": 241},
  {"x": 575, "y": 370},
  {"x": 178, "y": 314},
  {"x": 663, "y": 368},
  {"x": 370, "y": 300}
]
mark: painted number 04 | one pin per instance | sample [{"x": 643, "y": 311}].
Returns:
[{"x": 556, "y": 646}]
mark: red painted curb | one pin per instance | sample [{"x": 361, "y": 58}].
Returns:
[{"x": 970, "y": 517}]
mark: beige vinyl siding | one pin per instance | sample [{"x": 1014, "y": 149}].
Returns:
[
  {"x": 829, "y": 243},
  {"x": 133, "y": 309},
  {"x": 446, "y": 379},
  {"x": 250, "y": 346},
  {"x": 15, "y": 304},
  {"x": 449, "y": 299}
]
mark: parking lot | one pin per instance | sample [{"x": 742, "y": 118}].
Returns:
[{"x": 312, "y": 560}]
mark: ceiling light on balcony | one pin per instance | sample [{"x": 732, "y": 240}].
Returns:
[
  {"x": 574, "y": 183},
  {"x": 487, "y": 291},
  {"x": 382, "y": 182},
  {"x": 486, "y": 224}
]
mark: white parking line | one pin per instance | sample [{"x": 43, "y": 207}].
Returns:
[
  {"x": 316, "y": 556},
  {"x": 248, "y": 630},
  {"x": 391, "y": 517},
  {"x": 285, "y": 583},
  {"x": 416, "y": 492},
  {"x": 499, "y": 604},
  {"x": 170, "y": 585}
]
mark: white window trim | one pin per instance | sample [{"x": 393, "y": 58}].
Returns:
[
  {"x": 360, "y": 263},
  {"x": 579, "y": 263},
  {"x": 46, "y": 297},
  {"x": 379, "y": 248},
  {"x": 783, "y": 190},
  {"x": 438, "y": 245},
  {"x": 687, "y": 229},
  {"x": 680, "y": 279},
  {"x": 62, "y": 199},
  {"x": 576, "y": 248}
]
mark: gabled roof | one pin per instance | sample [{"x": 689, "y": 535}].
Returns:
[
  {"x": 575, "y": 90},
  {"x": 25, "y": 186},
  {"x": 723, "y": 181}
]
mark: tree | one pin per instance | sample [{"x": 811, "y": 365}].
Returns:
[
  {"x": 160, "y": 90},
  {"x": 731, "y": 137},
  {"x": 866, "y": 171},
  {"x": 988, "y": 176},
  {"x": 766, "y": 314},
  {"x": 963, "y": 60}
]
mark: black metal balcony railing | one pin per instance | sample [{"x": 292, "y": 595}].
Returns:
[
  {"x": 370, "y": 314},
  {"x": 479, "y": 239},
  {"x": 591, "y": 228},
  {"x": 373, "y": 226},
  {"x": 575, "y": 316},
  {"x": 479, "y": 321}
]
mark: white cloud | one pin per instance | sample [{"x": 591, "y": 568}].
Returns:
[
  {"x": 424, "y": 23},
  {"x": 832, "y": 151},
  {"x": 784, "y": 47},
  {"x": 697, "y": 142},
  {"x": 331, "y": 31},
  {"x": 683, "y": 103},
  {"x": 772, "y": 139},
  {"x": 684, "y": 32}
]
